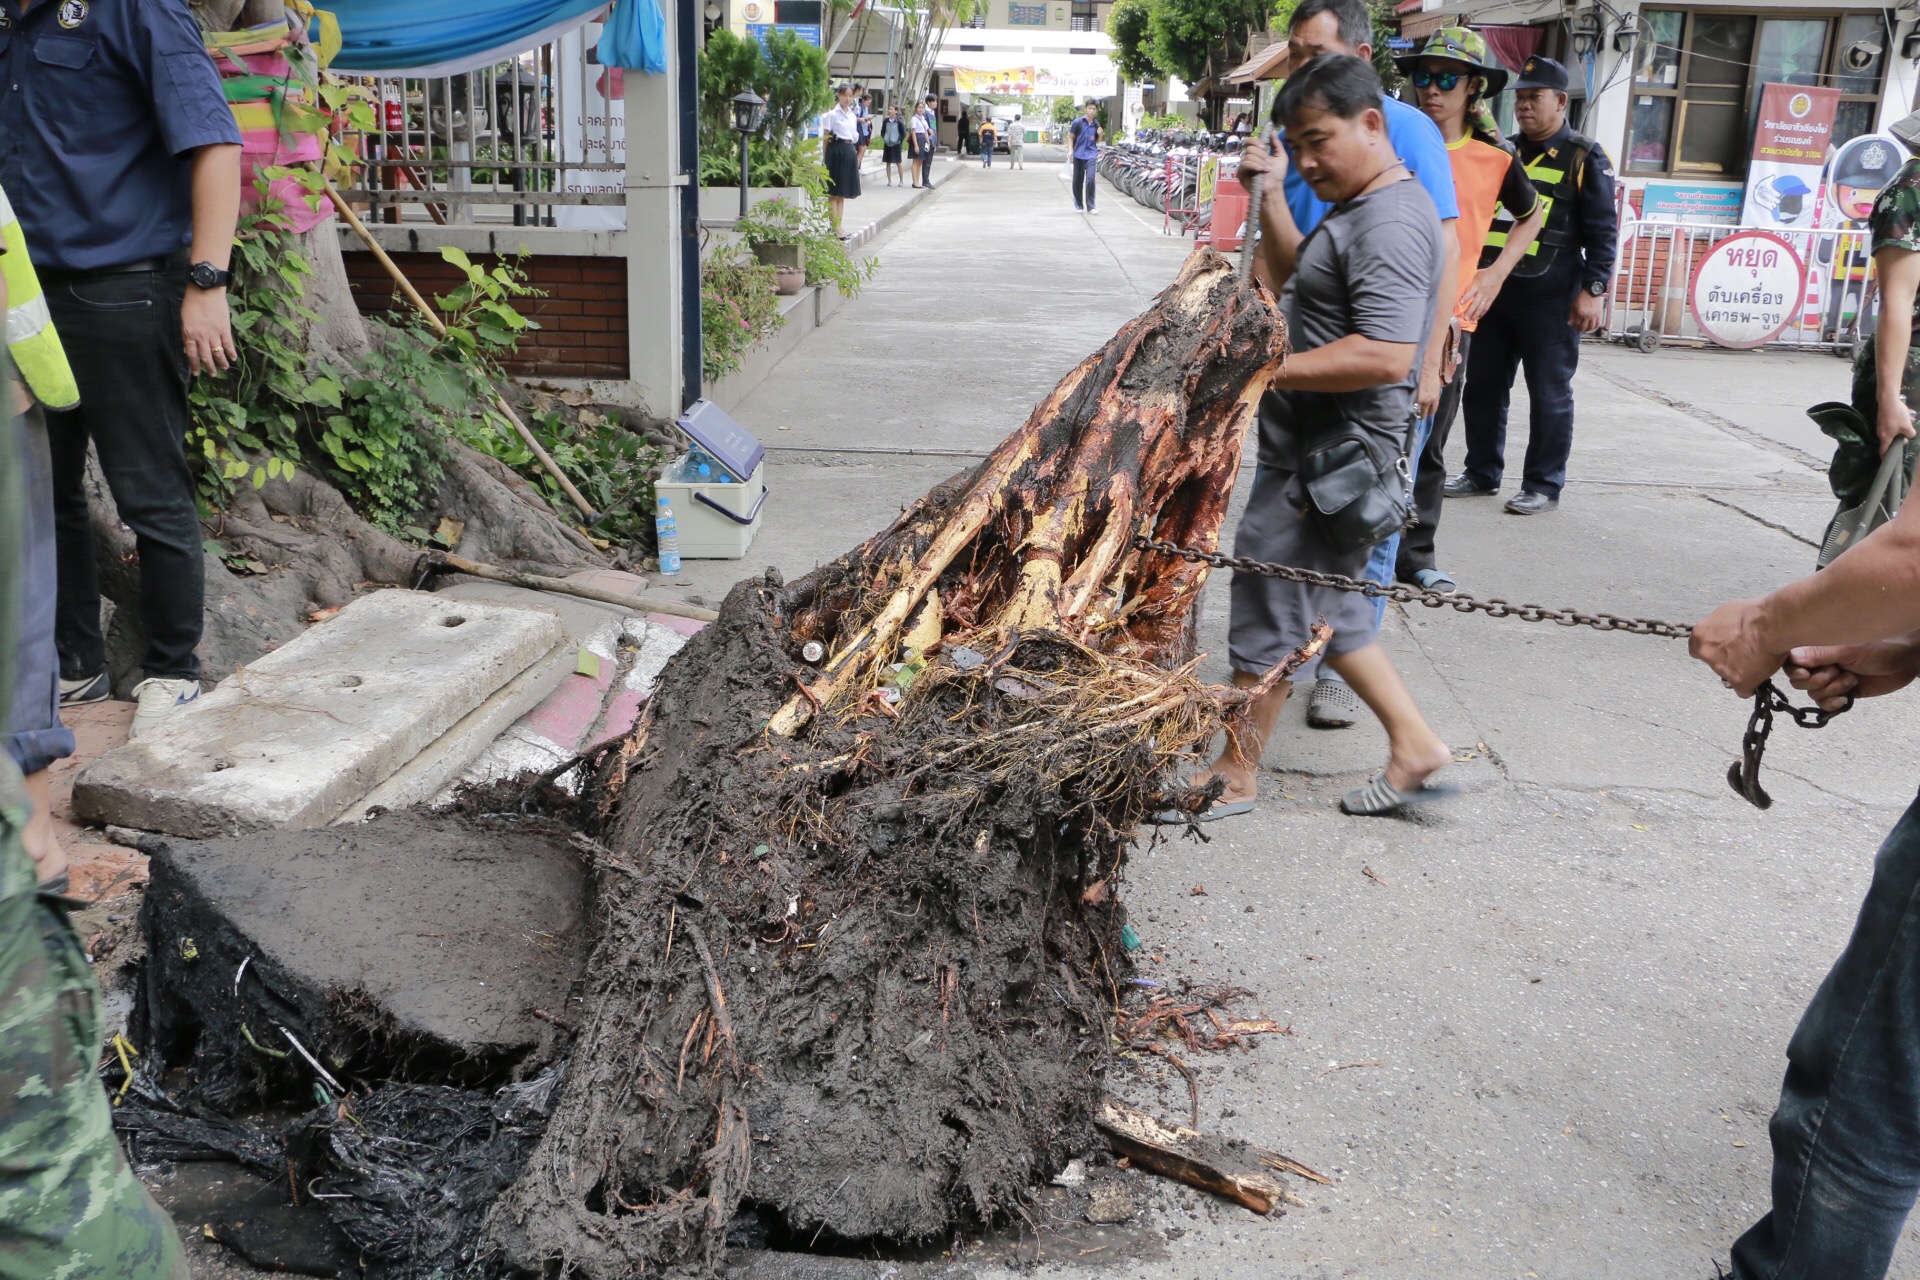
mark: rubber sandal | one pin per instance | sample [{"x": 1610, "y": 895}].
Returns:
[
  {"x": 1334, "y": 705},
  {"x": 1212, "y": 813},
  {"x": 1379, "y": 798},
  {"x": 1434, "y": 580}
]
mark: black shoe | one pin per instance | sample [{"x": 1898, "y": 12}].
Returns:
[
  {"x": 1530, "y": 504},
  {"x": 1464, "y": 486},
  {"x": 93, "y": 688}
]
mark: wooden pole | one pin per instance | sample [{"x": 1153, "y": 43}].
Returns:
[
  {"x": 499, "y": 401},
  {"x": 540, "y": 582}
]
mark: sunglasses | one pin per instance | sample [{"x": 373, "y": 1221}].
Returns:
[{"x": 1446, "y": 80}]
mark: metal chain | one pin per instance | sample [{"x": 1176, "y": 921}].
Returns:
[
  {"x": 1402, "y": 593},
  {"x": 1743, "y": 775}
]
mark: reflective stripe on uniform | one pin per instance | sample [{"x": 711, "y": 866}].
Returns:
[{"x": 31, "y": 338}]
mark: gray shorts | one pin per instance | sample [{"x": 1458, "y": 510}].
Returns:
[
  {"x": 35, "y": 736},
  {"x": 1273, "y": 617}
]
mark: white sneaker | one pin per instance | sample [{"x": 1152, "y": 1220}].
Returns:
[
  {"x": 157, "y": 699},
  {"x": 1093, "y": 212}
]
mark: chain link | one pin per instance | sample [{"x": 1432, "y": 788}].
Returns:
[
  {"x": 1743, "y": 775},
  {"x": 1403, "y": 593}
]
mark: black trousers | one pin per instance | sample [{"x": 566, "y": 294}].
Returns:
[
  {"x": 1085, "y": 176},
  {"x": 1430, "y": 476},
  {"x": 122, "y": 337},
  {"x": 1524, "y": 328},
  {"x": 926, "y": 167}
]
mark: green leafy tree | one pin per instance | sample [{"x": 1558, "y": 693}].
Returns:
[
  {"x": 1127, "y": 25},
  {"x": 792, "y": 76}
]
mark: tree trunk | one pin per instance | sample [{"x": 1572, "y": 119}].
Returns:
[{"x": 857, "y": 953}]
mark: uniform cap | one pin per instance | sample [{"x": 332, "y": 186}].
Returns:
[
  {"x": 1458, "y": 44},
  {"x": 1542, "y": 73},
  {"x": 1867, "y": 161},
  {"x": 1907, "y": 129}
]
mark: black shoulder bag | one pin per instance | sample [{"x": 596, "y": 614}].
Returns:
[{"x": 1360, "y": 496}]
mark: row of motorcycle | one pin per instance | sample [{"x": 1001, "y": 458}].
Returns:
[{"x": 1162, "y": 170}]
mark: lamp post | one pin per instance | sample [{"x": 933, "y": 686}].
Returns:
[{"x": 749, "y": 109}]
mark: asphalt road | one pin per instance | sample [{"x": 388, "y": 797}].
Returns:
[{"x": 1574, "y": 984}]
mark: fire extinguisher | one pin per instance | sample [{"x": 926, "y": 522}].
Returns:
[{"x": 396, "y": 114}]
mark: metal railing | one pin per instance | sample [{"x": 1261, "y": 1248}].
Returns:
[
  {"x": 528, "y": 141},
  {"x": 1654, "y": 272}
]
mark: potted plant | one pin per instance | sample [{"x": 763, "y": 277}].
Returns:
[
  {"x": 791, "y": 75},
  {"x": 799, "y": 237}
]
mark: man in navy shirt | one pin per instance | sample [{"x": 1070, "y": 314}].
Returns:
[
  {"x": 1346, "y": 27},
  {"x": 123, "y": 162},
  {"x": 1086, "y": 151}
]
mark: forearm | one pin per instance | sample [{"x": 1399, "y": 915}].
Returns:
[
  {"x": 1352, "y": 363},
  {"x": 1892, "y": 335},
  {"x": 1870, "y": 593},
  {"x": 216, "y": 203},
  {"x": 1448, "y": 298},
  {"x": 1279, "y": 237}
]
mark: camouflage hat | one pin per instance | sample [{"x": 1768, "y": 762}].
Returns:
[{"x": 1458, "y": 44}]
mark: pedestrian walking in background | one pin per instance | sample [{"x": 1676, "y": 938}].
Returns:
[
  {"x": 989, "y": 133},
  {"x": 1452, "y": 78},
  {"x": 1360, "y": 297},
  {"x": 863, "y": 109},
  {"x": 1552, "y": 297},
  {"x": 129, "y": 210},
  {"x": 1017, "y": 142},
  {"x": 842, "y": 129},
  {"x": 1346, "y": 26},
  {"x": 893, "y": 134},
  {"x": 35, "y": 737},
  {"x": 1085, "y": 138}
]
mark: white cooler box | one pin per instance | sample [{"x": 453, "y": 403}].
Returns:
[{"x": 717, "y": 519}]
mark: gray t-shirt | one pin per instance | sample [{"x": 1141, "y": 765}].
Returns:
[{"x": 1371, "y": 267}]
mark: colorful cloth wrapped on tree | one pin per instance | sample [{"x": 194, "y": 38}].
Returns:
[{"x": 272, "y": 77}]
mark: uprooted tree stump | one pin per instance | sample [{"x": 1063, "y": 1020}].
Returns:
[{"x": 854, "y": 965}]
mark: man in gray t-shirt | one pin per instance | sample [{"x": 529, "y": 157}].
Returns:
[{"x": 1359, "y": 294}]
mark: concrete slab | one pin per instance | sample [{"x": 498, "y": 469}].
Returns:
[
  {"x": 413, "y": 947},
  {"x": 293, "y": 739}
]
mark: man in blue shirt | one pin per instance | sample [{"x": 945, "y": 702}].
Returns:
[
  {"x": 1086, "y": 150},
  {"x": 1345, "y": 26},
  {"x": 123, "y": 162}
]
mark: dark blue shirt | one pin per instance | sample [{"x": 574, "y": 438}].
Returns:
[
  {"x": 1086, "y": 138},
  {"x": 102, "y": 102}
]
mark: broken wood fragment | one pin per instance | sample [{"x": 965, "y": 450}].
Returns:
[{"x": 1225, "y": 1167}]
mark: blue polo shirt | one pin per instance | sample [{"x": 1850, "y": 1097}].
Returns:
[
  {"x": 1417, "y": 141},
  {"x": 102, "y": 102}
]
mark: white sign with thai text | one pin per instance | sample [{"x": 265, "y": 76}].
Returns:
[{"x": 1746, "y": 291}]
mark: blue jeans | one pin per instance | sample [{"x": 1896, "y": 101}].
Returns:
[
  {"x": 1846, "y": 1135},
  {"x": 1380, "y": 564},
  {"x": 34, "y": 735}
]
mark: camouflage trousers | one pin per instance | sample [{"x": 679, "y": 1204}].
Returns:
[{"x": 70, "y": 1206}]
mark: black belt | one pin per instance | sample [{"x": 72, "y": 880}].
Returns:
[{"x": 172, "y": 262}]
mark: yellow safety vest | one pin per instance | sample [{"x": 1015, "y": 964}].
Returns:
[
  {"x": 36, "y": 348},
  {"x": 1558, "y": 177}
]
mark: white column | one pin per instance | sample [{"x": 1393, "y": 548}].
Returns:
[{"x": 654, "y": 281}]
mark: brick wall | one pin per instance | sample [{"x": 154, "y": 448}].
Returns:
[{"x": 583, "y": 318}]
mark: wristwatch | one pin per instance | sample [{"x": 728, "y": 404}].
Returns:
[
  {"x": 1598, "y": 288},
  {"x": 204, "y": 275}
]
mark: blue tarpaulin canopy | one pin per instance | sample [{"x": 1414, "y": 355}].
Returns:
[{"x": 446, "y": 37}]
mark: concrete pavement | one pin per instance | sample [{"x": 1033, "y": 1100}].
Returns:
[{"x": 1578, "y": 980}]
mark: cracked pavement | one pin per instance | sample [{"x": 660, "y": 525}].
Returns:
[{"x": 1578, "y": 978}]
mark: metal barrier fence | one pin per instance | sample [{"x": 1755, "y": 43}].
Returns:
[
  {"x": 532, "y": 140},
  {"x": 1655, "y": 269}
]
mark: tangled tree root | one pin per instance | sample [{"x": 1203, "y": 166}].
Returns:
[{"x": 857, "y": 964}]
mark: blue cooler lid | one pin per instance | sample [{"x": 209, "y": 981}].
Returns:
[{"x": 732, "y": 445}]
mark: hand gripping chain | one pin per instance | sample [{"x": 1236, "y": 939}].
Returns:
[{"x": 1743, "y": 776}]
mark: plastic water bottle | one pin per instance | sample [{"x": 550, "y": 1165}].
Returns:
[
  {"x": 703, "y": 466},
  {"x": 667, "y": 531}
]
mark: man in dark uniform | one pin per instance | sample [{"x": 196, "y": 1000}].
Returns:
[
  {"x": 122, "y": 159},
  {"x": 1556, "y": 294}
]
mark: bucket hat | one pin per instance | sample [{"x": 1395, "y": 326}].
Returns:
[{"x": 1458, "y": 44}]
